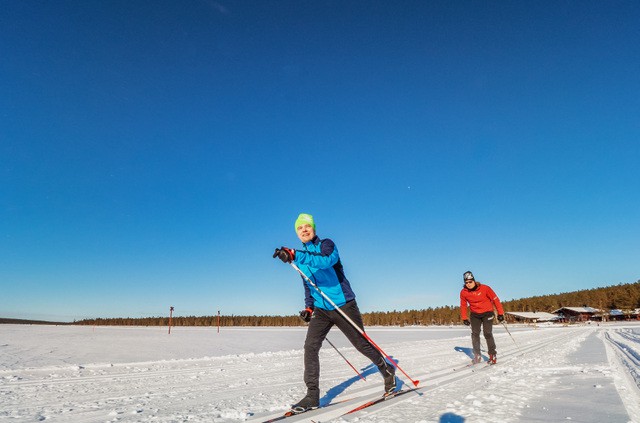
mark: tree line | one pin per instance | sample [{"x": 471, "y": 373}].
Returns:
[
  {"x": 4, "y": 320},
  {"x": 622, "y": 296}
]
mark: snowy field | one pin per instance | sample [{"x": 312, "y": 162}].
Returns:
[{"x": 587, "y": 373}]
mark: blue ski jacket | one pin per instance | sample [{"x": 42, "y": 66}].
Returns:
[{"x": 320, "y": 261}]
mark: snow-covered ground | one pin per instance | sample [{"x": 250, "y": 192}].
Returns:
[{"x": 587, "y": 373}]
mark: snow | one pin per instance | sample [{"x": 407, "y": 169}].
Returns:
[{"x": 548, "y": 373}]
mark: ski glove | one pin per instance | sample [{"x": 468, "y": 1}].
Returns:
[
  {"x": 500, "y": 317},
  {"x": 285, "y": 254},
  {"x": 305, "y": 314},
  {"x": 466, "y": 322}
]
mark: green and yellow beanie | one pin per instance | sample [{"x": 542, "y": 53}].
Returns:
[{"x": 304, "y": 218}]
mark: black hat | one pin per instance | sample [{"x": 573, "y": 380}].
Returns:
[{"x": 468, "y": 276}]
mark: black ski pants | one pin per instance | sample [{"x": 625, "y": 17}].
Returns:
[
  {"x": 319, "y": 326},
  {"x": 484, "y": 321}
]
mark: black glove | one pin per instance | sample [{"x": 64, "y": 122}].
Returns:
[
  {"x": 500, "y": 317},
  {"x": 466, "y": 322},
  {"x": 305, "y": 314},
  {"x": 285, "y": 254}
]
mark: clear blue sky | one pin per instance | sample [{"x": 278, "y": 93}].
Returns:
[{"x": 154, "y": 153}]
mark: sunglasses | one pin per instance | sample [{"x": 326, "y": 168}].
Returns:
[{"x": 469, "y": 281}]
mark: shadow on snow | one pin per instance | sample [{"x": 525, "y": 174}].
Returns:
[
  {"x": 469, "y": 352},
  {"x": 371, "y": 369}
]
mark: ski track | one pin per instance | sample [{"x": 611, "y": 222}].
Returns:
[
  {"x": 433, "y": 399},
  {"x": 623, "y": 353},
  {"x": 256, "y": 386}
]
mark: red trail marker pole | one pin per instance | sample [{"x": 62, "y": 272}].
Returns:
[{"x": 170, "y": 318}]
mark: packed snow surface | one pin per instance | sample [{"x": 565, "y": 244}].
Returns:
[{"x": 551, "y": 373}]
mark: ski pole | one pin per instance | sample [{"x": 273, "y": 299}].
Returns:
[
  {"x": 348, "y": 319},
  {"x": 514, "y": 341},
  {"x": 345, "y": 359}
]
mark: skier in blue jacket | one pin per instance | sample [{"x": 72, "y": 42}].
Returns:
[{"x": 320, "y": 261}]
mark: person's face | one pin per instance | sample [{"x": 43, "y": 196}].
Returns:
[
  {"x": 470, "y": 283},
  {"x": 305, "y": 232}
]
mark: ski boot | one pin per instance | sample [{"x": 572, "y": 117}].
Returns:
[
  {"x": 389, "y": 375},
  {"x": 309, "y": 402},
  {"x": 492, "y": 359}
]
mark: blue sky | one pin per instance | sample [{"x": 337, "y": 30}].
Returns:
[{"x": 154, "y": 153}]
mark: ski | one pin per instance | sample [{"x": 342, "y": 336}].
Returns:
[
  {"x": 292, "y": 413},
  {"x": 379, "y": 400},
  {"x": 467, "y": 366},
  {"x": 486, "y": 365},
  {"x": 473, "y": 365},
  {"x": 288, "y": 414}
]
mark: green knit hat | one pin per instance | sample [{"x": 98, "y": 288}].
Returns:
[{"x": 304, "y": 218}]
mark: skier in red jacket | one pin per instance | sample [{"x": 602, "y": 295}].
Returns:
[{"x": 481, "y": 300}]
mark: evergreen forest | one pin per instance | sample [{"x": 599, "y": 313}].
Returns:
[{"x": 622, "y": 296}]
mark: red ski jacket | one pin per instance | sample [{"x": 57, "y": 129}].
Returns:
[{"x": 480, "y": 300}]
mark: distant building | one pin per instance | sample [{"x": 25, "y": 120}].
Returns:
[
  {"x": 577, "y": 314},
  {"x": 617, "y": 314},
  {"x": 532, "y": 316}
]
